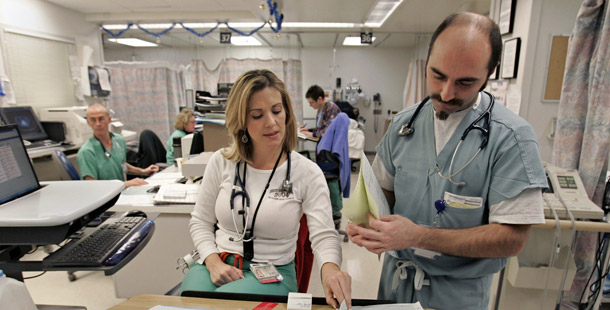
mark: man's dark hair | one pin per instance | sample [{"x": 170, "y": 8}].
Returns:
[
  {"x": 480, "y": 22},
  {"x": 314, "y": 92}
]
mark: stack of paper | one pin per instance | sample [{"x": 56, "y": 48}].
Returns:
[{"x": 176, "y": 193}]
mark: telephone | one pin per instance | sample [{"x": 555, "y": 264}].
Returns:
[{"x": 566, "y": 185}]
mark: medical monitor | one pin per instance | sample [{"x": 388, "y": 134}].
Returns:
[
  {"x": 26, "y": 120},
  {"x": 17, "y": 176}
]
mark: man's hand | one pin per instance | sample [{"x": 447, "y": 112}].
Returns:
[
  {"x": 150, "y": 170},
  {"x": 390, "y": 232},
  {"x": 135, "y": 182},
  {"x": 221, "y": 273},
  {"x": 337, "y": 285}
]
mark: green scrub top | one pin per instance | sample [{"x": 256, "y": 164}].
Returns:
[
  {"x": 93, "y": 162},
  {"x": 169, "y": 155}
]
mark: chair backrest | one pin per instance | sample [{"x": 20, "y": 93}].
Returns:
[
  {"x": 67, "y": 171},
  {"x": 150, "y": 149},
  {"x": 333, "y": 152}
]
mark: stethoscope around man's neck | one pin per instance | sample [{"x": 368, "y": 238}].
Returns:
[
  {"x": 239, "y": 189},
  {"x": 106, "y": 152},
  {"x": 407, "y": 129}
]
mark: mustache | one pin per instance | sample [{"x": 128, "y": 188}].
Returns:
[{"x": 454, "y": 101}]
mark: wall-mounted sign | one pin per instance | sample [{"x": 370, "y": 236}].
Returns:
[{"x": 225, "y": 38}]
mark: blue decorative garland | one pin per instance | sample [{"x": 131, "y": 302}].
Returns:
[{"x": 279, "y": 18}]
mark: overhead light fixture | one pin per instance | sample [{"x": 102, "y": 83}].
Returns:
[
  {"x": 380, "y": 12},
  {"x": 245, "y": 41},
  {"x": 132, "y": 42},
  {"x": 354, "y": 41}
]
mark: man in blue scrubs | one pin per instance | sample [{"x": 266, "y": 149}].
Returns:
[
  {"x": 457, "y": 214},
  {"x": 103, "y": 156}
]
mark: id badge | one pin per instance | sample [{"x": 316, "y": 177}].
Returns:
[{"x": 266, "y": 273}]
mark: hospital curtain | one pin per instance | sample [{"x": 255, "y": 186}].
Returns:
[
  {"x": 289, "y": 71},
  {"x": 583, "y": 121},
  {"x": 415, "y": 87},
  {"x": 146, "y": 97}
]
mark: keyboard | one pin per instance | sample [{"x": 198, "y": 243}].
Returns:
[
  {"x": 42, "y": 144},
  {"x": 98, "y": 246}
]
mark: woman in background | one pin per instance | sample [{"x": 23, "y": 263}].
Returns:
[
  {"x": 185, "y": 124},
  {"x": 280, "y": 185}
]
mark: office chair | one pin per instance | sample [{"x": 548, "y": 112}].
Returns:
[
  {"x": 303, "y": 257},
  {"x": 151, "y": 151},
  {"x": 67, "y": 171},
  {"x": 333, "y": 158}
]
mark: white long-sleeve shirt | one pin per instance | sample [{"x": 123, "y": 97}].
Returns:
[{"x": 277, "y": 223}]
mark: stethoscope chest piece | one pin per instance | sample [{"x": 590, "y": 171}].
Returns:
[{"x": 405, "y": 129}]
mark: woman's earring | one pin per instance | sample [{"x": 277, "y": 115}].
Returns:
[{"x": 244, "y": 138}]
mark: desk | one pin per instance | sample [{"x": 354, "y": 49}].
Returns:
[
  {"x": 145, "y": 302},
  {"x": 154, "y": 270}
]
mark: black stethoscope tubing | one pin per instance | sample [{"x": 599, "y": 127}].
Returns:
[
  {"x": 248, "y": 234},
  {"x": 106, "y": 152},
  {"x": 407, "y": 129}
]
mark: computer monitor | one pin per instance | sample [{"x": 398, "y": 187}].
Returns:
[
  {"x": 26, "y": 120},
  {"x": 17, "y": 176},
  {"x": 197, "y": 144}
]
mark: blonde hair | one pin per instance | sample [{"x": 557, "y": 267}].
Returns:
[
  {"x": 237, "y": 112},
  {"x": 183, "y": 119}
]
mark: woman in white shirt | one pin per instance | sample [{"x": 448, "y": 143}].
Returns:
[{"x": 261, "y": 182}]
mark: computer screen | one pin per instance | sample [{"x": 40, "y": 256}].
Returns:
[
  {"x": 26, "y": 120},
  {"x": 17, "y": 176},
  {"x": 197, "y": 144}
]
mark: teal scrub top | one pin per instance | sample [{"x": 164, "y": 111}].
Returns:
[
  {"x": 509, "y": 164},
  {"x": 92, "y": 161},
  {"x": 169, "y": 155}
]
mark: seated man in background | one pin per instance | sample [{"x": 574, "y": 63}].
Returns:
[
  {"x": 327, "y": 111},
  {"x": 102, "y": 157},
  {"x": 185, "y": 124}
]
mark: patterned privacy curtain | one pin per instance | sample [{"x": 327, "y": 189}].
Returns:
[
  {"x": 146, "y": 96},
  {"x": 289, "y": 71},
  {"x": 583, "y": 123}
]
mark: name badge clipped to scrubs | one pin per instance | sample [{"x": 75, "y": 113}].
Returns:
[
  {"x": 266, "y": 273},
  {"x": 462, "y": 202}
]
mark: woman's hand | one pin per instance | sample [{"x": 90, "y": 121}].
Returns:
[
  {"x": 221, "y": 273},
  {"x": 337, "y": 285}
]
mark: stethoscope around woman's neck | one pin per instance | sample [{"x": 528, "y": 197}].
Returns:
[
  {"x": 239, "y": 189},
  {"x": 407, "y": 129}
]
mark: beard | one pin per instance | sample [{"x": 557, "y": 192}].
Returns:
[{"x": 442, "y": 115}]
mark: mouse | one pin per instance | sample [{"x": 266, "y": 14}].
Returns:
[
  {"x": 26, "y": 142},
  {"x": 134, "y": 213}
]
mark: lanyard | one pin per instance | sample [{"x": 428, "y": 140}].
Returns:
[{"x": 248, "y": 238}]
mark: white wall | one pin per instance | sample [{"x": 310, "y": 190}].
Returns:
[
  {"x": 43, "y": 18},
  {"x": 378, "y": 70},
  {"x": 535, "y": 22}
]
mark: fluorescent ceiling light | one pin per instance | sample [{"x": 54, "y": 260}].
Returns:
[
  {"x": 354, "y": 41},
  {"x": 132, "y": 42},
  {"x": 250, "y": 41},
  {"x": 382, "y": 10}
]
